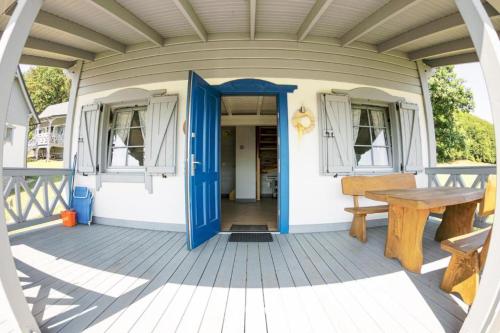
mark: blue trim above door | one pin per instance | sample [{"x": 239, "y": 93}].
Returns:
[{"x": 261, "y": 87}]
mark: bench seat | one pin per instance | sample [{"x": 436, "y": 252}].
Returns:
[
  {"x": 466, "y": 244},
  {"x": 468, "y": 254},
  {"x": 367, "y": 210}
]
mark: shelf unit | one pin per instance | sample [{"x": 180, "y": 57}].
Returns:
[{"x": 267, "y": 152}]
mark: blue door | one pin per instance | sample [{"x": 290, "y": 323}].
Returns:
[{"x": 203, "y": 174}]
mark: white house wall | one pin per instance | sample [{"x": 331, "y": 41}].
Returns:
[
  {"x": 315, "y": 67},
  {"x": 14, "y": 152},
  {"x": 316, "y": 201}
]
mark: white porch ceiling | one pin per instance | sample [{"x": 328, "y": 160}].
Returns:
[{"x": 120, "y": 26}]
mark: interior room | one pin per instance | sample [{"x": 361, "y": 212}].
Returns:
[{"x": 249, "y": 164}]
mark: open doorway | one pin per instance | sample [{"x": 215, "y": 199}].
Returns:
[{"x": 249, "y": 164}]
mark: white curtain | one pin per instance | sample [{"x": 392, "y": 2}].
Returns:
[
  {"x": 122, "y": 124},
  {"x": 356, "y": 117}
]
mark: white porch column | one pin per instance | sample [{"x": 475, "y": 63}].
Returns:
[
  {"x": 12, "y": 301},
  {"x": 484, "y": 316},
  {"x": 75, "y": 73},
  {"x": 424, "y": 74}
]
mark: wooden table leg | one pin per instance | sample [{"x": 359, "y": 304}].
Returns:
[
  {"x": 457, "y": 220},
  {"x": 405, "y": 233}
]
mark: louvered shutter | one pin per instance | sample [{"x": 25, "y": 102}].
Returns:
[
  {"x": 161, "y": 135},
  {"x": 88, "y": 138},
  {"x": 411, "y": 144},
  {"x": 336, "y": 134}
]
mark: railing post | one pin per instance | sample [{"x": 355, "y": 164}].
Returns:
[
  {"x": 75, "y": 73},
  {"x": 484, "y": 316},
  {"x": 11, "y": 46}
]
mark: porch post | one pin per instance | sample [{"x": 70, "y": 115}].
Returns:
[
  {"x": 75, "y": 73},
  {"x": 424, "y": 74},
  {"x": 12, "y": 301},
  {"x": 484, "y": 316}
]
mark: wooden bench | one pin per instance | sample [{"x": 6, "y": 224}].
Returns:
[
  {"x": 469, "y": 252},
  {"x": 357, "y": 186}
]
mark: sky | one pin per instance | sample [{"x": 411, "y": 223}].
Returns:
[{"x": 473, "y": 76}]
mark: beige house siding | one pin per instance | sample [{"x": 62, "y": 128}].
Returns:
[{"x": 270, "y": 58}]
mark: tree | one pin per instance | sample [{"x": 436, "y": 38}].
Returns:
[
  {"x": 46, "y": 86},
  {"x": 449, "y": 98}
]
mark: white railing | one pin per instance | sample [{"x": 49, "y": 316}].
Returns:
[
  {"x": 33, "y": 196},
  {"x": 43, "y": 139},
  {"x": 473, "y": 177}
]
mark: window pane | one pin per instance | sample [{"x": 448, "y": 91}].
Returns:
[
  {"x": 118, "y": 157},
  {"x": 120, "y": 138},
  {"x": 135, "y": 137},
  {"x": 363, "y": 156},
  {"x": 377, "y": 118},
  {"x": 136, "y": 122},
  {"x": 135, "y": 156},
  {"x": 380, "y": 137},
  {"x": 362, "y": 136},
  {"x": 363, "y": 118},
  {"x": 381, "y": 156},
  {"x": 123, "y": 119}
]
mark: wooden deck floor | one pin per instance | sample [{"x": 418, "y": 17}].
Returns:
[{"x": 110, "y": 279}]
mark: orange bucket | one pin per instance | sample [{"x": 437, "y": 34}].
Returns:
[{"x": 69, "y": 218}]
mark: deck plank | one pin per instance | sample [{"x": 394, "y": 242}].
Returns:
[
  {"x": 112, "y": 279},
  {"x": 122, "y": 302},
  {"x": 187, "y": 273},
  {"x": 117, "y": 285},
  {"x": 395, "y": 280},
  {"x": 276, "y": 316},
  {"x": 255, "y": 314},
  {"x": 234, "y": 317},
  {"x": 85, "y": 291},
  {"x": 213, "y": 316},
  {"x": 58, "y": 283},
  {"x": 199, "y": 277},
  {"x": 294, "y": 307}
]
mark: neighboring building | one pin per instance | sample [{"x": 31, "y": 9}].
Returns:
[
  {"x": 48, "y": 140},
  {"x": 17, "y": 125}
]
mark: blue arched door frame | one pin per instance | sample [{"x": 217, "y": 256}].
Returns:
[{"x": 261, "y": 87}]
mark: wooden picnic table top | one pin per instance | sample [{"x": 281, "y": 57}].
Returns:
[{"x": 427, "y": 198}]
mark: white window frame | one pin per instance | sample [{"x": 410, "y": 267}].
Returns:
[
  {"x": 108, "y": 137},
  {"x": 390, "y": 121}
]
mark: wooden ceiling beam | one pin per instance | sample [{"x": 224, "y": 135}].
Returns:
[
  {"x": 379, "y": 17},
  {"x": 189, "y": 14},
  {"x": 312, "y": 18},
  {"x": 43, "y": 61},
  {"x": 452, "y": 60},
  {"x": 442, "y": 24},
  {"x": 50, "y": 20},
  {"x": 125, "y": 16},
  {"x": 48, "y": 46}
]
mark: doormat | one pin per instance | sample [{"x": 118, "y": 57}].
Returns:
[
  {"x": 251, "y": 237},
  {"x": 248, "y": 228}
]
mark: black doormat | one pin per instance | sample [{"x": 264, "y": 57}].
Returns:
[
  {"x": 249, "y": 228},
  {"x": 250, "y": 237}
]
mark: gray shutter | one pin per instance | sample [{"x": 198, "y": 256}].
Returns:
[
  {"x": 88, "y": 138},
  {"x": 161, "y": 135},
  {"x": 411, "y": 144},
  {"x": 336, "y": 134}
]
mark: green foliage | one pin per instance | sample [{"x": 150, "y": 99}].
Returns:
[
  {"x": 479, "y": 138},
  {"x": 459, "y": 135},
  {"x": 46, "y": 86}
]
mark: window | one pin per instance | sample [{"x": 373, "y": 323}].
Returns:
[
  {"x": 9, "y": 134},
  {"x": 127, "y": 134},
  {"x": 371, "y": 136},
  {"x": 368, "y": 137}
]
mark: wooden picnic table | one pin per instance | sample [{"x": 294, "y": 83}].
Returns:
[{"x": 409, "y": 210}]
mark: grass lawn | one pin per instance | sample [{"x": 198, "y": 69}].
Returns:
[{"x": 45, "y": 164}]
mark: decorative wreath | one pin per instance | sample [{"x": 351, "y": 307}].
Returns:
[{"x": 303, "y": 120}]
